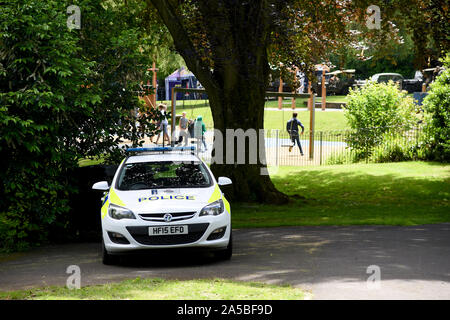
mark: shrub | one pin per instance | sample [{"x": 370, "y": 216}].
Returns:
[
  {"x": 437, "y": 116},
  {"x": 64, "y": 95},
  {"x": 372, "y": 110},
  {"x": 344, "y": 157}
]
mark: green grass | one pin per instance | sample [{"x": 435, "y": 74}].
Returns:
[
  {"x": 407, "y": 193},
  {"x": 276, "y": 119},
  {"x": 159, "y": 289},
  {"x": 325, "y": 121},
  {"x": 90, "y": 162}
]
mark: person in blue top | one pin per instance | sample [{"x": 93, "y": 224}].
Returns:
[{"x": 292, "y": 128}]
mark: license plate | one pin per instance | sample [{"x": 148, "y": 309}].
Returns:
[{"x": 167, "y": 230}]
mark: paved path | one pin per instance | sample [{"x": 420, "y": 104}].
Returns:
[{"x": 329, "y": 262}]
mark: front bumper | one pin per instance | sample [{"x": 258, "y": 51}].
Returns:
[{"x": 136, "y": 233}]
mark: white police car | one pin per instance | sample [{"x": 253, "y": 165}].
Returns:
[{"x": 164, "y": 200}]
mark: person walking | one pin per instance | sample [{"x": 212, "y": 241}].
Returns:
[
  {"x": 292, "y": 128},
  {"x": 163, "y": 125},
  {"x": 199, "y": 132},
  {"x": 183, "y": 126}
]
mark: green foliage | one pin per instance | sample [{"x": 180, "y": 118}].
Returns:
[
  {"x": 65, "y": 95},
  {"x": 379, "y": 105},
  {"x": 396, "y": 144},
  {"x": 437, "y": 116},
  {"x": 399, "y": 145},
  {"x": 373, "y": 110},
  {"x": 344, "y": 157},
  {"x": 393, "y": 58}
]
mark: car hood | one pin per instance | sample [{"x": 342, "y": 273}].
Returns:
[{"x": 149, "y": 201}]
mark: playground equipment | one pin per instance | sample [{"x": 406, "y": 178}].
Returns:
[
  {"x": 323, "y": 75},
  {"x": 321, "y": 70},
  {"x": 150, "y": 98}
]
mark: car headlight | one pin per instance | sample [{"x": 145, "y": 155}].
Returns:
[
  {"x": 117, "y": 212},
  {"x": 214, "y": 208}
]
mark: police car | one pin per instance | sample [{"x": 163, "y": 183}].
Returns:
[{"x": 164, "y": 198}]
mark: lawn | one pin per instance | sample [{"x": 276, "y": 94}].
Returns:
[
  {"x": 325, "y": 120},
  {"x": 274, "y": 119},
  {"x": 160, "y": 289},
  {"x": 407, "y": 193}
]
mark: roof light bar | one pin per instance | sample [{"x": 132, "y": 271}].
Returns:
[{"x": 161, "y": 149}]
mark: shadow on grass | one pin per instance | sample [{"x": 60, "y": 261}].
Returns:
[
  {"x": 353, "y": 197},
  {"x": 327, "y": 185}
]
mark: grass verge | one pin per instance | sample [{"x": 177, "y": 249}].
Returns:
[
  {"x": 160, "y": 289},
  {"x": 406, "y": 193}
]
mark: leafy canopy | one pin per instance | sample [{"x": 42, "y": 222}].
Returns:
[
  {"x": 437, "y": 115},
  {"x": 64, "y": 95}
]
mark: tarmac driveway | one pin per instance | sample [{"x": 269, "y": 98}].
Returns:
[{"x": 330, "y": 262}]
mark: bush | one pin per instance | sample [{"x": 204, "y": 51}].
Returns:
[
  {"x": 344, "y": 157},
  {"x": 437, "y": 116},
  {"x": 373, "y": 110},
  {"x": 64, "y": 95},
  {"x": 399, "y": 145}
]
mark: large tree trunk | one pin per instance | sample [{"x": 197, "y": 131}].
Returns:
[
  {"x": 235, "y": 109},
  {"x": 235, "y": 78},
  {"x": 239, "y": 104}
]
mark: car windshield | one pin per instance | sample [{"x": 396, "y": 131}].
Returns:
[{"x": 164, "y": 174}]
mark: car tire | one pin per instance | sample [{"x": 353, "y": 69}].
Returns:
[
  {"x": 228, "y": 252},
  {"x": 107, "y": 258}
]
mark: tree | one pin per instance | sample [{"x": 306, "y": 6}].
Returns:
[
  {"x": 437, "y": 115},
  {"x": 64, "y": 95},
  {"x": 429, "y": 24},
  {"x": 226, "y": 45},
  {"x": 229, "y": 45},
  {"x": 399, "y": 58}
]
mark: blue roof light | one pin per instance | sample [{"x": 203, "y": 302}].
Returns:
[{"x": 160, "y": 149}]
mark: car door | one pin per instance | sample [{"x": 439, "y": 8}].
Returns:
[{"x": 399, "y": 80}]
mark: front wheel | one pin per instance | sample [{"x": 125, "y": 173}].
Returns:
[{"x": 228, "y": 252}]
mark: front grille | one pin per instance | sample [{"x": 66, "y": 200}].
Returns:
[
  {"x": 176, "y": 216},
  {"x": 195, "y": 232}
]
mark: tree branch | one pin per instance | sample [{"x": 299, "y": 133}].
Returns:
[{"x": 183, "y": 43}]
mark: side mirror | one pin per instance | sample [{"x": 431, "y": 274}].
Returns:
[
  {"x": 224, "y": 181},
  {"x": 102, "y": 186}
]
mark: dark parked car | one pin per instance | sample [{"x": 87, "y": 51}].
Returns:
[
  {"x": 383, "y": 78},
  {"x": 340, "y": 81},
  {"x": 414, "y": 85},
  {"x": 337, "y": 82},
  {"x": 274, "y": 86}
]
